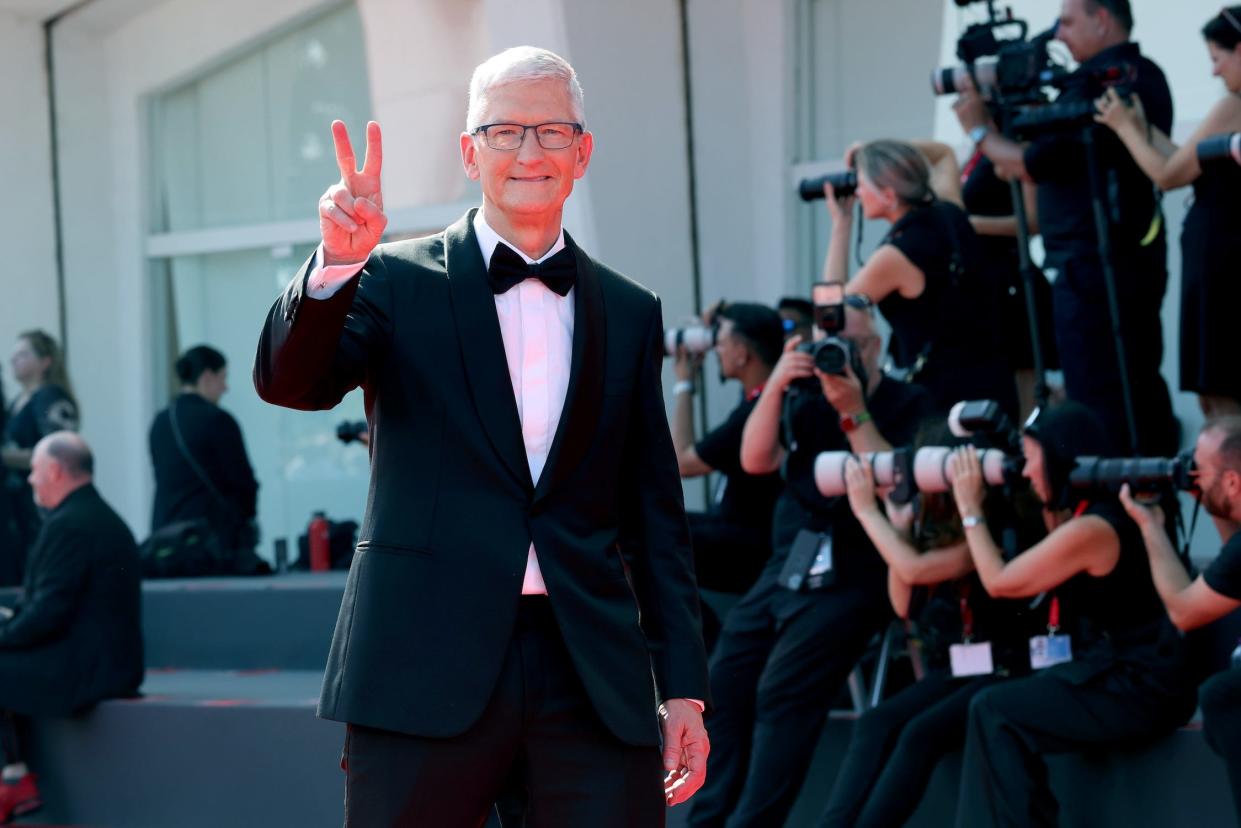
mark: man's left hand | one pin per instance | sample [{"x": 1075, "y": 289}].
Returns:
[{"x": 685, "y": 749}]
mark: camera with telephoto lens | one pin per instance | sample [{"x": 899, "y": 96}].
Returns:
[
  {"x": 1145, "y": 475},
  {"x": 1223, "y": 147},
  {"x": 351, "y": 430},
  {"x": 844, "y": 184},
  {"x": 983, "y": 422},
  {"x": 696, "y": 339},
  {"x": 833, "y": 354}
]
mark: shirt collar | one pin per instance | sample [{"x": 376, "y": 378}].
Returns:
[{"x": 489, "y": 238}]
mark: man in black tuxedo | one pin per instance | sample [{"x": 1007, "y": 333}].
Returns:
[{"x": 524, "y": 490}]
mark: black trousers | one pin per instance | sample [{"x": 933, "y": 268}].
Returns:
[
  {"x": 777, "y": 667},
  {"x": 1087, "y": 348},
  {"x": 895, "y": 748},
  {"x": 1003, "y": 776},
  {"x": 1221, "y": 723},
  {"x": 728, "y": 557},
  {"x": 539, "y": 719}
]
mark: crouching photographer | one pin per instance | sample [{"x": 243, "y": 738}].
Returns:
[
  {"x": 967, "y": 641},
  {"x": 926, "y": 277},
  {"x": 1117, "y": 678},
  {"x": 732, "y": 539},
  {"x": 787, "y": 647},
  {"x": 1192, "y": 603}
]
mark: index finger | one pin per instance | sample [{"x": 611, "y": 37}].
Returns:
[
  {"x": 374, "y": 149},
  {"x": 345, "y": 159},
  {"x": 793, "y": 342}
]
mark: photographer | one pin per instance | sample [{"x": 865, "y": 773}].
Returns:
[
  {"x": 1118, "y": 678},
  {"x": 1210, "y": 246},
  {"x": 967, "y": 641},
  {"x": 1217, "y": 591},
  {"x": 202, "y": 471},
  {"x": 926, "y": 277},
  {"x": 788, "y": 646},
  {"x": 732, "y": 540},
  {"x": 1096, "y": 33}
]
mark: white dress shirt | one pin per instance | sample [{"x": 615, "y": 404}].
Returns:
[{"x": 536, "y": 325}]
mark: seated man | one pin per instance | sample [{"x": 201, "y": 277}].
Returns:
[
  {"x": 74, "y": 638},
  {"x": 1217, "y": 591},
  {"x": 732, "y": 539}
]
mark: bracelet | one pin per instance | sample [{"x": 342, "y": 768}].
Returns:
[
  {"x": 683, "y": 387},
  {"x": 850, "y": 422},
  {"x": 970, "y": 521}
]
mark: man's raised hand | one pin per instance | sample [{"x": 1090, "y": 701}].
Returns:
[{"x": 351, "y": 217}]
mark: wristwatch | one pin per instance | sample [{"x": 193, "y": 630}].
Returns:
[
  {"x": 978, "y": 133},
  {"x": 970, "y": 521},
  {"x": 850, "y": 422}
]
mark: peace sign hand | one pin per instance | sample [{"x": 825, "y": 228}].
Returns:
[{"x": 351, "y": 217}]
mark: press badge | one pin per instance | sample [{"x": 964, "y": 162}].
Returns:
[
  {"x": 971, "y": 659},
  {"x": 1049, "y": 650},
  {"x": 820, "y": 573}
]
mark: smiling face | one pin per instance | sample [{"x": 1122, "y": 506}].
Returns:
[
  {"x": 1226, "y": 65},
  {"x": 527, "y": 185}
]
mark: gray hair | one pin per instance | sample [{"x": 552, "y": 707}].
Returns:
[
  {"x": 898, "y": 165},
  {"x": 521, "y": 63},
  {"x": 70, "y": 452}
]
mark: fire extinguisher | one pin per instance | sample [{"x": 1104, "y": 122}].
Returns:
[{"x": 319, "y": 536}]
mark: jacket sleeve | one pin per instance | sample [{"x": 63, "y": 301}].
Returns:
[
  {"x": 51, "y": 592},
  {"x": 238, "y": 475},
  {"x": 312, "y": 352},
  {"x": 655, "y": 536}
]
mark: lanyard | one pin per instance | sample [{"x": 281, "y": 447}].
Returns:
[
  {"x": 1053, "y": 613},
  {"x": 970, "y": 165},
  {"x": 967, "y": 612},
  {"x": 754, "y": 395}
]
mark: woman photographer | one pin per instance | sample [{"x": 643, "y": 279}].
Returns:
[
  {"x": 1118, "y": 679},
  {"x": 926, "y": 277},
  {"x": 1210, "y": 245},
  {"x": 896, "y": 745},
  {"x": 202, "y": 471}
]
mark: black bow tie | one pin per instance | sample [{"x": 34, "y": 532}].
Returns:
[{"x": 507, "y": 269}]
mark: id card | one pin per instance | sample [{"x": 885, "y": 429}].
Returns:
[
  {"x": 809, "y": 564},
  {"x": 1049, "y": 650},
  {"x": 820, "y": 573},
  {"x": 971, "y": 659}
]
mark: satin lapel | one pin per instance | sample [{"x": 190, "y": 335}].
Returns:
[
  {"x": 584, "y": 398},
  {"x": 482, "y": 347}
]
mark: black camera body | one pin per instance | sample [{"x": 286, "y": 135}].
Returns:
[
  {"x": 351, "y": 430},
  {"x": 844, "y": 183},
  {"x": 833, "y": 354},
  {"x": 1145, "y": 475}
]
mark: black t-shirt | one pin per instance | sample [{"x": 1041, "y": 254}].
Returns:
[
  {"x": 1057, "y": 163},
  {"x": 957, "y": 313},
  {"x": 1224, "y": 573},
  {"x": 748, "y": 499},
  {"x": 49, "y": 409},
  {"x": 898, "y": 409},
  {"x": 1121, "y": 603}
]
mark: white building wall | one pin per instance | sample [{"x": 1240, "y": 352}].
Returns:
[{"x": 27, "y": 240}]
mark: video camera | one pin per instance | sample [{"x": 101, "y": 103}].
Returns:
[
  {"x": 1016, "y": 76},
  {"x": 833, "y": 354},
  {"x": 1223, "y": 147},
  {"x": 926, "y": 470},
  {"x": 1145, "y": 475}
]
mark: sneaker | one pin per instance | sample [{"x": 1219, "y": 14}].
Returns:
[{"x": 18, "y": 798}]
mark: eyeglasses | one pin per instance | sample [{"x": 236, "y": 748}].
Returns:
[{"x": 551, "y": 135}]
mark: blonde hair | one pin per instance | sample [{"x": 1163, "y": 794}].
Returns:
[{"x": 898, "y": 165}]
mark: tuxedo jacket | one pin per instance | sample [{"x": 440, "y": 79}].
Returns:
[{"x": 431, "y": 599}]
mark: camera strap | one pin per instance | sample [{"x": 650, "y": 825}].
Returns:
[{"x": 198, "y": 470}]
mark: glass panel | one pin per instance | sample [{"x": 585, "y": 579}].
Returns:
[
  {"x": 250, "y": 142},
  {"x": 222, "y": 299}
]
